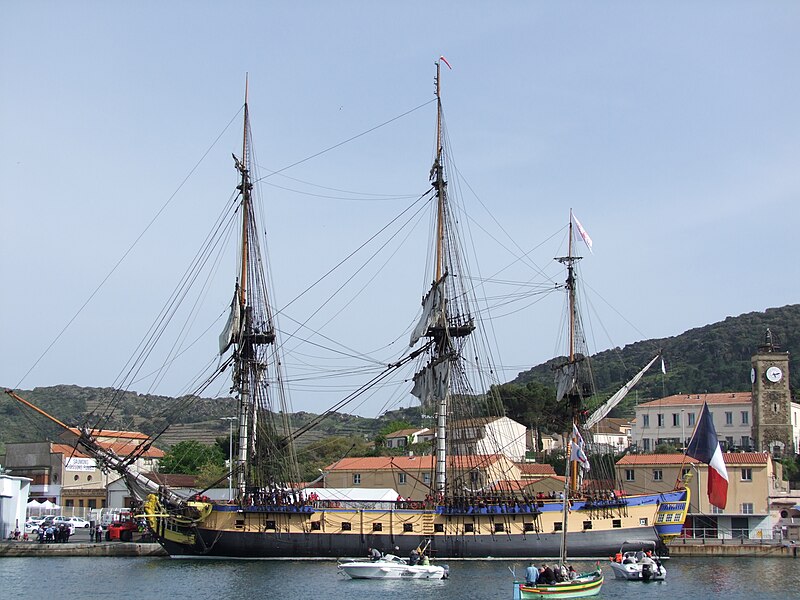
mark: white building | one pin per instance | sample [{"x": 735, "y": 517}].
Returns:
[
  {"x": 671, "y": 420},
  {"x": 612, "y": 434},
  {"x": 13, "y": 501},
  {"x": 490, "y": 435}
]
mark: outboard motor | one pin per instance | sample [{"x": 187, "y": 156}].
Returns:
[
  {"x": 446, "y": 571},
  {"x": 647, "y": 571}
]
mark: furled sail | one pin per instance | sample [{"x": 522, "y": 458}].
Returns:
[
  {"x": 232, "y": 326},
  {"x": 432, "y": 383},
  {"x": 566, "y": 378},
  {"x": 432, "y": 306},
  {"x": 617, "y": 398}
]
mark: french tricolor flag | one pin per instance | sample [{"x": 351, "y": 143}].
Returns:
[{"x": 704, "y": 446}]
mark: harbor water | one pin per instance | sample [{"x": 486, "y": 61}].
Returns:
[{"x": 172, "y": 579}]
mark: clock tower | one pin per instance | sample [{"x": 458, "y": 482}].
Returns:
[{"x": 772, "y": 425}]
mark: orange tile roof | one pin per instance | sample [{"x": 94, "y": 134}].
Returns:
[
  {"x": 730, "y": 458},
  {"x": 698, "y": 399},
  {"x": 113, "y": 433},
  {"x": 124, "y": 448},
  {"x": 536, "y": 469},
  {"x": 67, "y": 450},
  {"x": 408, "y": 463}
]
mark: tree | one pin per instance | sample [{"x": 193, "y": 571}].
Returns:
[{"x": 189, "y": 457}]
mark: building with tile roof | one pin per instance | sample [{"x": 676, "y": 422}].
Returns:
[{"x": 754, "y": 482}]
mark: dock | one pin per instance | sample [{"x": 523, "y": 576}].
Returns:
[
  {"x": 739, "y": 547},
  {"x": 17, "y": 549}
]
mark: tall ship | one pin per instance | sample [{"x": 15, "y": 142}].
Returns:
[{"x": 474, "y": 505}]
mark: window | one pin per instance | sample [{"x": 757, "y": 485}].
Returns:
[
  {"x": 346, "y": 526},
  {"x": 676, "y": 420},
  {"x": 747, "y": 475},
  {"x": 269, "y": 525},
  {"x": 401, "y": 478},
  {"x": 558, "y": 526},
  {"x": 408, "y": 527},
  {"x": 438, "y": 527},
  {"x": 401, "y": 442},
  {"x": 616, "y": 523},
  {"x": 469, "y": 527},
  {"x": 527, "y": 526},
  {"x": 629, "y": 475},
  {"x": 745, "y": 442},
  {"x": 728, "y": 418},
  {"x": 691, "y": 420},
  {"x": 377, "y": 527},
  {"x": 747, "y": 508},
  {"x": 645, "y": 420},
  {"x": 646, "y": 444},
  {"x": 643, "y": 521},
  {"x": 316, "y": 525},
  {"x": 685, "y": 472},
  {"x": 660, "y": 419},
  {"x": 426, "y": 478},
  {"x": 587, "y": 524},
  {"x": 715, "y": 510},
  {"x": 499, "y": 527},
  {"x": 356, "y": 478},
  {"x": 745, "y": 417},
  {"x": 658, "y": 475}
]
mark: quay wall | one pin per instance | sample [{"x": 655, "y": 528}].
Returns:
[
  {"x": 80, "y": 549},
  {"x": 722, "y": 548}
]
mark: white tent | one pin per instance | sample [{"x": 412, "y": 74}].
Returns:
[
  {"x": 36, "y": 507},
  {"x": 383, "y": 498}
]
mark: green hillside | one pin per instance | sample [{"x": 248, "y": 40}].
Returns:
[{"x": 713, "y": 358}]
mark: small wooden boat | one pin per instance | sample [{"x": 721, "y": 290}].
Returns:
[{"x": 583, "y": 586}]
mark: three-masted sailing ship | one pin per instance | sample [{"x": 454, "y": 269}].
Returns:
[{"x": 466, "y": 512}]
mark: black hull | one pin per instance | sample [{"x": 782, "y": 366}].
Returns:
[{"x": 234, "y": 544}]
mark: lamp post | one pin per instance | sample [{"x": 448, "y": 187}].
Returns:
[{"x": 230, "y": 421}]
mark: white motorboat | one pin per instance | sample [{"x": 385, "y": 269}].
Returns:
[
  {"x": 637, "y": 561},
  {"x": 391, "y": 567}
]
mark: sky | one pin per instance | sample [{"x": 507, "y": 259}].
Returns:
[{"x": 671, "y": 129}]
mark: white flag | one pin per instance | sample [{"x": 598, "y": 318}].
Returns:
[
  {"x": 663, "y": 367},
  {"x": 583, "y": 233}
]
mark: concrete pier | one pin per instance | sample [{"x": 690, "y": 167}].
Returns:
[
  {"x": 80, "y": 549},
  {"x": 716, "y": 547}
]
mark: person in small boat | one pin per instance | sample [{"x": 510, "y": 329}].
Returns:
[
  {"x": 531, "y": 575},
  {"x": 558, "y": 576},
  {"x": 413, "y": 558},
  {"x": 547, "y": 576},
  {"x": 374, "y": 554},
  {"x": 640, "y": 555},
  {"x": 572, "y": 573},
  {"x": 425, "y": 560}
]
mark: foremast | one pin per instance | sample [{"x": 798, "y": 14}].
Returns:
[{"x": 251, "y": 330}]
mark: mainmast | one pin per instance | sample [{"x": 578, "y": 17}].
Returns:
[{"x": 442, "y": 341}]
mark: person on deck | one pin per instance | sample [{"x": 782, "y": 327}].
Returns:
[
  {"x": 374, "y": 554},
  {"x": 413, "y": 558},
  {"x": 531, "y": 575}
]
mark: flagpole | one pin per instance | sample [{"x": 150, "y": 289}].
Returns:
[{"x": 680, "y": 470}]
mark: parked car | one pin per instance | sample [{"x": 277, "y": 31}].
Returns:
[
  {"x": 31, "y": 526},
  {"x": 78, "y": 522}
]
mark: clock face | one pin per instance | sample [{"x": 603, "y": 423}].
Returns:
[
  {"x": 774, "y": 374},
  {"x": 752, "y": 375}
]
